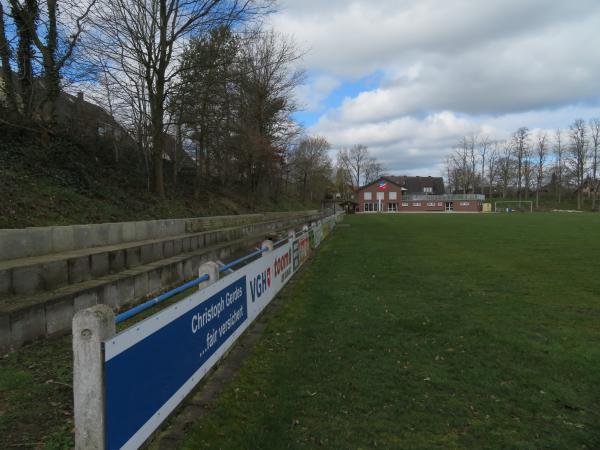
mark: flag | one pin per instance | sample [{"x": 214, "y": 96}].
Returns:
[{"x": 383, "y": 185}]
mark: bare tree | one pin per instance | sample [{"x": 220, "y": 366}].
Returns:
[
  {"x": 472, "y": 156},
  {"x": 5, "y": 59},
  {"x": 464, "y": 164},
  {"x": 354, "y": 160},
  {"x": 578, "y": 156},
  {"x": 492, "y": 163},
  {"x": 23, "y": 13},
  {"x": 144, "y": 37},
  {"x": 343, "y": 183},
  {"x": 450, "y": 169},
  {"x": 541, "y": 154},
  {"x": 595, "y": 136},
  {"x": 520, "y": 146},
  {"x": 373, "y": 170},
  {"x": 484, "y": 146},
  {"x": 558, "y": 151},
  {"x": 55, "y": 31},
  {"x": 311, "y": 166},
  {"x": 505, "y": 166},
  {"x": 528, "y": 170}
]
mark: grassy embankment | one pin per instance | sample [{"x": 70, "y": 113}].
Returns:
[{"x": 66, "y": 182}]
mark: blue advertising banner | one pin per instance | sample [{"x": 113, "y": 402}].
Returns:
[
  {"x": 150, "y": 367},
  {"x": 142, "y": 378}
]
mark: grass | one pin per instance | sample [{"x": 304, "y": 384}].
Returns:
[
  {"x": 69, "y": 181},
  {"x": 406, "y": 331},
  {"x": 36, "y": 394},
  {"x": 429, "y": 331},
  {"x": 548, "y": 202},
  {"x": 32, "y": 200},
  {"x": 36, "y": 397}
]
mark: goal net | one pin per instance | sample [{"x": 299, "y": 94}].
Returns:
[{"x": 514, "y": 206}]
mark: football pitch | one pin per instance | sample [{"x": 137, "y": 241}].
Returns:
[{"x": 428, "y": 331}]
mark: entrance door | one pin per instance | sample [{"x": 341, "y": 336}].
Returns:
[
  {"x": 380, "y": 198},
  {"x": 449, "y": 206}
]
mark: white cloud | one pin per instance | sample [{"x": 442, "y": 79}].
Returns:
[
  {"x": 449, "y": 68},
  {"x": 406, "y": 144},
  {"x": 418, "y": 146},
  {"x": 315, "y": 90}
]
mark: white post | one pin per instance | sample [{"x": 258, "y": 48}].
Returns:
[
  {"x": 291, "y": 235},
  {"x": 211, "y": 269},
  {"x": 91, "y": 327}
]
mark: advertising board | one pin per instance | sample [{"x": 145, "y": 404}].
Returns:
[{"x": 150, "y": 367}]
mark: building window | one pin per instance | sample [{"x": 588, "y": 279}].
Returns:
[
  {"x": 431, "y": 204},
  {"x": 371, "y": 207},
  {"x": 440, "y": 204},
  {"x": 404, "y": 204},
  {"x": 417, "y": 204},
  {"x": 393, "y": 195},
  {"x": 392, "y": 207},
  {"x": 465, "y": 204},
  {"x": 368, "y": 196},
  {"x": 380, "y": 195},
  {"x": 428, "y": 190}
]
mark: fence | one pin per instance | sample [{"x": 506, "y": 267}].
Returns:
[
  {"x": 125, "y": 385},
  {"x": 443, "y": 197}
]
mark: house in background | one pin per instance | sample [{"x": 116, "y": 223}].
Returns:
[{"x": 393, "y": 194}]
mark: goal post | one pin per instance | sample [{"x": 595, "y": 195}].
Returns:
[{"x": 514, "y": 206}]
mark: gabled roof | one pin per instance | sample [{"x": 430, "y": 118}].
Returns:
[
  {"x": 416, "y": 185},
  {"x": 388, "y": 178},
  {"x": 413, "y": 185}
]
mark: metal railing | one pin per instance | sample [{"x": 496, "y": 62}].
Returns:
[
  {"x": 190, "y": 284},
  {"x": 443, "y": 197}
]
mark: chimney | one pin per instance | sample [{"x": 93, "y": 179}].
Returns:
[{"x": 80, "y": 97}]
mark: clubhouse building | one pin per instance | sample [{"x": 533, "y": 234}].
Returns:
[{"x": 391, "y": 194}]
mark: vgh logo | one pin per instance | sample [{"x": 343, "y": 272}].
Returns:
[{"x": 260, "y": 284}]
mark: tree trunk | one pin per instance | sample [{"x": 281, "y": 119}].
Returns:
[
  {"x": 178, "y": 151},
  {"x": 158, "y": 143},
  {"x": 157, "y": 162},
  {"x": 51, "y": 78},
  {"x": 199, "y": 162},
  {"x": 23, "y": 17},
  {"x": 51, "y": 74},
  {"x": 304, "y": 188},
  {"x": 158, "y": 138},
  {"x": 5, "y": 54}
]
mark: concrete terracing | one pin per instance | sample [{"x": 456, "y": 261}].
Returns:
[{"x": 58, "y": 271}]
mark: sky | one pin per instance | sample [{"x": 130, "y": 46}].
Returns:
[{"x": 408, "y": 78}]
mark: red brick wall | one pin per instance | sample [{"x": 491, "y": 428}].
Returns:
[
  {"x": 424, "y": 206},
  {"x": 470, "y": 206},
  {"x": 373, "y": 189},
  {"x": 466, "y": 206}
]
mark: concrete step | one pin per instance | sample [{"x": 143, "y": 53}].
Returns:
[
  {"x": 25, "y": 318},
  {"x": 25, "y": 276},
  {"x": 38, "y": 241}
]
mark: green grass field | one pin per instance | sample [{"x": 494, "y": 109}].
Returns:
[{"x": 429, "y": 331}]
